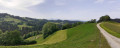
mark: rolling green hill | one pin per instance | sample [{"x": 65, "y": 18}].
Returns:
[
  {"x": 54, "y": 38},
  {"x": 82, "y": 36},
  {"x": 112, "y": 28},
  {"x": 25, "y": 24}
]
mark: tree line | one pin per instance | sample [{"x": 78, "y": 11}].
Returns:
[
  {"x": 13, "y": 38},
  {"x": 50, "y": 27}
]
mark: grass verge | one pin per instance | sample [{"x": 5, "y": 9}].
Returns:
[{"x": 112, "y": 28}]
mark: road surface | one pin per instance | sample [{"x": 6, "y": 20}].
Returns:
[{"x": 113, "y": 41}]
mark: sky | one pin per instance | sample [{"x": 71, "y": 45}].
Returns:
[{"x": 83, "y": 10}]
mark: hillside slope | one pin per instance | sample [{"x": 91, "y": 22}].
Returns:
[
  {"x": 82, "y": 36},
  {"x": 25, "y": 24},
  {"x": 54, "y": 38}
]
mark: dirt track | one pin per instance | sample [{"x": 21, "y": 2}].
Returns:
[{"x": 113, "y": 41}]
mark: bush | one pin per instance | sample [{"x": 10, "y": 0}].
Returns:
[
  {"x": 30, "y": 34},
  {"x": 10, "y": 38},
  {"x": 32, "y": 42},
  {"x": 66, "y": 26},
  {"x": 27, "y": 42},
  {"x": 13, "y": 38},
  {"x": 76, "y": 24},
  {"x": 49, "y": 28}
]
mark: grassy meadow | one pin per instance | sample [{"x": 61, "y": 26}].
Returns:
[
  {"x": 24, "y": 25},
  {"x": 112, "y": 28},
  {"x": 12, "y": 19},
  {"x": 54, "y": 38},
  {"x": 82, "y": 36}
]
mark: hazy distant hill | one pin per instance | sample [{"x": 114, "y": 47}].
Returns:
[{"x": 116, "y": 20}]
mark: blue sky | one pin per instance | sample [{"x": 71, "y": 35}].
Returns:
[{"x": 62, "y": 9}]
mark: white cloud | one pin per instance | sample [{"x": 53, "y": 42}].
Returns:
[
  {"x": 99, "y": 1},
  {"x": 20, "y": 4}
]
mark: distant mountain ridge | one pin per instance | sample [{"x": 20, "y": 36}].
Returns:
[{"x": 3, "y": 15}]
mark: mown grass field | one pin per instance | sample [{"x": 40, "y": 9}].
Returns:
[
  {"x": 54, "y": 38},
  {"x": 24, "y": 25},
  {"x": 82, "y": 36},
  {"x": 112, "y": 28},
  {"x": 57, "y": 37},
  {"x": 11, "y": 19}
]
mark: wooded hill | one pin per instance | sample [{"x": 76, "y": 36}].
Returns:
[{"x": 25, "y": 24}]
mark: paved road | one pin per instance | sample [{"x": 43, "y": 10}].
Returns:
[{"x": 113, "y": 41}]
